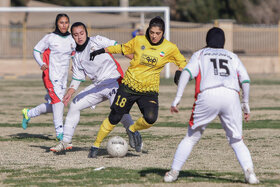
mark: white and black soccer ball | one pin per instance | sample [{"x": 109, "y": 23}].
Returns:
[{"x": 117, "y": 146}]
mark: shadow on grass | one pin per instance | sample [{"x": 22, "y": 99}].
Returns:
[
  {"x": 196, "y": 176},
  {"x": 21, "y": 136}
]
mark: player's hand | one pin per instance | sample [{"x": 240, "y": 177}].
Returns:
[
  {"x": 44, "y": 67},
  {"x": 174, "y": 109},
  {"x": 95, "y": 53},
  {"x": 246, "y": 117},
  {"x": 68, "y": 96},
  {"x": 246, "y": 109}
]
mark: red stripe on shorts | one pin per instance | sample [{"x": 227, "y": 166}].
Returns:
[
  {"x": 119, "y": 68},
  {"x": 46, "y": 78},
  {"x": 197, "y": 91}
]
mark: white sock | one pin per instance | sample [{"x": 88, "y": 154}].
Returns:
[
  {"x": 40, "y": 109},
  {"x": 243, "y": 155},
  {"x": 73, "y": 118},
  {"x": 58, "y": 117},
  {"x": 185, "y": 147},
  {"x": 126, "y": 120}
]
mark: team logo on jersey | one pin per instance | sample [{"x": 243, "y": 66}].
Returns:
[
  {"x": 162, "y": 54},
  {"x": 142, "y": 47},
  {"x": 148, "y": 60}
]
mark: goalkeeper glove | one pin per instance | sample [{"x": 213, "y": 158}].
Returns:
[
  {"x": 97, "y": 52},
  {"x": 177, "y": 76}
]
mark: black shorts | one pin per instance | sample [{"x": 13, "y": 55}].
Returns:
[{"x": 125, "y": 98}]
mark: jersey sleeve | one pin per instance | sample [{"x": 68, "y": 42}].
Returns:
[
  {"x": 125, "y": 49},
  {"x": 177, "y": 58},
  {"x": 43, "y": 44},
  {"x": 105, "y": 42},
  {"x": 193, "y": 66},
  {"x": 242, "y": 72},
  {"x": 78, "y": 74}
]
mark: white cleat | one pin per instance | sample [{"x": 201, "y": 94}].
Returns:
[
  {"x": 61, "y": 147},
  {"x": 171, "y": 176},
  {"x": 250, "y": 177}
]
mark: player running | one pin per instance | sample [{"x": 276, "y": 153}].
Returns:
[
  {"x": 218, "y": 74},
  {"x": 105, "y": 74},
  {"x": 57, "y": 48},
  {"x": 141, "y": 80}
]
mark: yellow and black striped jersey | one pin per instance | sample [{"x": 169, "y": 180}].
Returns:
[{"x": 143, "y": 74}]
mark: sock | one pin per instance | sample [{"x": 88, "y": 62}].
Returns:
[
  {"x": 126, "y": 121},
  {"x": 105, "y": 128},
  {"x": 58, "y": 117},
  {"x": 243, "y": 155},
  {"x": 40, "y": 109},
  {"x": 185, "y": 147},
  {"x": 140, "y": 124}
]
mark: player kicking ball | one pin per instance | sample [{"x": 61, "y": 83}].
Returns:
[
  {"x": 105, "y": 74},
  {"x": 218, "y": 74}
]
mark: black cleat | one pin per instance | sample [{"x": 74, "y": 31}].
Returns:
[{"x": 93, "y": 152}]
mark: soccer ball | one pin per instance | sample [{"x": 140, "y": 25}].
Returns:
[{"x": 117, "y": 147}]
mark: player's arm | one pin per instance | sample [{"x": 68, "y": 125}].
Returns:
[
  {"x": 244, "y": 81},
  {"x": 125, "y": 49},
  {"x": 183, "y": 81},
  {"x": 180, "y": 61},
  {"x": 245, "y": 100},
  {"x": 130, "y": 56},
  {"x": 71, "y": 90},
  {"x": 40, "y": 47},
  {"x": 78, "y": 77},
  {"x": 38, "y": 59}
]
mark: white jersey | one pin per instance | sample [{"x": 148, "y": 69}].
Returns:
[
  {"x": 61, "y": 48},
  {"x": 217, "y": 68},
  {"x": 101, "y": 68}
]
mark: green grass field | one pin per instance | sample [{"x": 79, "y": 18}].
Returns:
[{"x": 26, "y": 160}]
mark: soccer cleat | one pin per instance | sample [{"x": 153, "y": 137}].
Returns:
[
  {"x": 131, "y": 139},
  {"x": 59, "y": 137},
  {"x": 61, "y": 147},
  {"x": 93, "y": 152},
  {"x": 136, "y": 136},
  {"x": 250, "y": 177},
  {"x": 25, "y": 119},
  {"x": 171, "y": 176}
]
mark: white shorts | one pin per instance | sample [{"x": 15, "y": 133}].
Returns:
[
  {"x": 95, "y": 94},
  {"x": 222, "y": 102},
  {"x": 55, "y": 93}
]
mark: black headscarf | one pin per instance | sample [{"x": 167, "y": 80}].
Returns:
[
  {"x": 156, "y": 22},
  {"x": 80, "y": 47},
  {"x": 215, "y": 38},
  {"x": 57, "y": 31}
]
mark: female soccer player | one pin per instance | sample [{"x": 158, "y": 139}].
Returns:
[
  {"x": 105, "y": 74},
  {"x": 219, "y": 74},
  {"x": 141, "y": 80},
  {"x": 57, "y": 48}
]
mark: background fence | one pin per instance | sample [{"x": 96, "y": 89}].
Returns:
[{"x": 18, "y": 40}]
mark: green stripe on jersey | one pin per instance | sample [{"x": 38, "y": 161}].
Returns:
[
  {"x": 186, "y": 69},
  {"x": 245, "y": 81},
  {"x": 115, "y": 43},
  {"x": 78, "y": 79},
  {"x": 37, "y": 51}
]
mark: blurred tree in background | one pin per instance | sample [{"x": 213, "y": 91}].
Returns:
[{"x": 203, "y": 11}]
